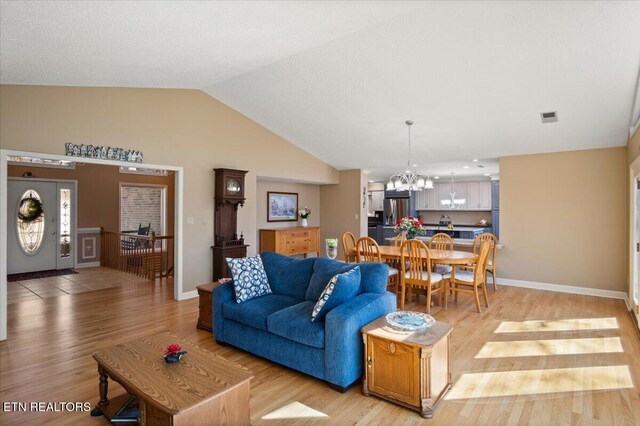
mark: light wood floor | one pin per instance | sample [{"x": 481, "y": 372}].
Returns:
[{"x": 532, "y": 358}]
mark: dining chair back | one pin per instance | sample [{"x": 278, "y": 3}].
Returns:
[
  {"x": 470, "y": 282},
  {"x": 416, "y": 271},
  {"x": 491, "y": 261},
  {"x": 399, "y": 239},
  {"x": 368, "y": 250},
  {"x": 348, "y": 245},
  {"x": 480, "y": 269},
  {"x": 441, "y": 241}
]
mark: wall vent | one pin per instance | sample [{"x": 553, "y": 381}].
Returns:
[{"x": 549, "y": 117}]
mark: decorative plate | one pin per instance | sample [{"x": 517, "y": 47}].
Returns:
[{"x": 409, "y": 321}]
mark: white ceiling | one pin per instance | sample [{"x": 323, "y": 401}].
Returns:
[{"x": 339, "y": 79}]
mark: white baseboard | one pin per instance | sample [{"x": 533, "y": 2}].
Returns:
[
  {"x": 188, "y": 295},
  {"x": 87, "y": 265},
  {"x": 565, "y": 289}
]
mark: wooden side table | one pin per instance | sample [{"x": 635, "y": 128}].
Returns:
[
  {"x": 205, "y": 317},
  {"x": 410, "y": 369}
]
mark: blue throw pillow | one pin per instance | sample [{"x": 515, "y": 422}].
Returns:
[
  {"x": 249, "y": 278},
  {"x": 323, "y": 270},
  {"x": 341, "y": 288}
]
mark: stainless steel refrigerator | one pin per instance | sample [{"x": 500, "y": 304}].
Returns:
[{"x": 395, "y": 209}]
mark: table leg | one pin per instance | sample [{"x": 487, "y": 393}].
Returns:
[
  {"x": 103, "y": 387},
  {"x": 446, "y": 293}
]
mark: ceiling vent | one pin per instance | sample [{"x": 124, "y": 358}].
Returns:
[{"x": 549, "y": 117}]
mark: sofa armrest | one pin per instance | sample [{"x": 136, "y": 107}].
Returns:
[
  {"x": 220, "y": 295},
  {"x": 343, "y": 340}
]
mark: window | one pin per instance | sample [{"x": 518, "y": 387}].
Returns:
[
  {"x": 65, "y": 222},
  {"x": 30, "y": 222},
  {"x": 141, "y": 205}
]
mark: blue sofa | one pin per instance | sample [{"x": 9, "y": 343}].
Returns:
[{"x": 278, "y": 326}]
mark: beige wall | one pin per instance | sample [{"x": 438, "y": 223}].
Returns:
[
  {"x": 308, "y": 195},
  {"x": 99, "y": 192},
  {"x": 341, "y": 207},
  {"x": 564, "y": 218},
  {"x": 633, "y": 152},
  {"x": 633, "y": 147},
  {"x": 172, "y": 127}
]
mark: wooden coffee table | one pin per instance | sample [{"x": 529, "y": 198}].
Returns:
[{"x": 202, "y": 388}]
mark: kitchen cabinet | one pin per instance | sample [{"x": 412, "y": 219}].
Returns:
[
  {"x": 460, "y": 188},
  {"x": 376, "y": 201},
  {"x": 479, "y": 196},
  {"x": 432, "y": 198},
  {"x": 429, "y": 199}
]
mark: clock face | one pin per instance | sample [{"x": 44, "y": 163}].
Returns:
[{"x": 233, "y": 186}]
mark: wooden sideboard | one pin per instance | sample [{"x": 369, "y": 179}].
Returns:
[{"x": 291, "y": 241}]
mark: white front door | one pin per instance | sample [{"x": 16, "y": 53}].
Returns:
[{"x": 40, "y": 228}]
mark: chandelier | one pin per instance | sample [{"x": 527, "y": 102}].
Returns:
[
  {"x": 453, "y": 202},
  {"x": 409, "y": 180}
]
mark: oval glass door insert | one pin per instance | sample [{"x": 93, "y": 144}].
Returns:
[{"x": 30, "y": 222}]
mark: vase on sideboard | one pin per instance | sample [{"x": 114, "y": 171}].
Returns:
[{"x": 303, "y": 222}]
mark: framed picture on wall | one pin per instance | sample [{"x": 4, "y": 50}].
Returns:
[{"x": 282, "y": 206}]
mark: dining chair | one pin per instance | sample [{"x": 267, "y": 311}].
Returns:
[
  {"x": 491, "y": 263},
  {"x": 348, "y": 245},
  {"x": 397, "y": 242},
  {"x": 416, "y": 271},
  {"x": 399, "y": 239},
  {"x": 367, "y": 250},
  {"x": 464, "y": 281},
  {"x": 441, "y": 241}
]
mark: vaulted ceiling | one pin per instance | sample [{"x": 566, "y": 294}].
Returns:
[{"x": 339, "y": 79}]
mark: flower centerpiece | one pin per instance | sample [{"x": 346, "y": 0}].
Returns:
[
  {"x": 331, "y": 246},
  {"x": 173, "y": 353},
  {"x": 410, "y": 227},
  {"x": 304, "y": 214}
]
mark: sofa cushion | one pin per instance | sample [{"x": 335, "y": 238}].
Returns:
[
  {"x": 255, "y": 312},
  {"x": 323, "y": 270},
  {"x": 341, "y": 287},
  {"x": 294, "y": 324},
  {"x": 249, "y": 278},
  {"x": 374, "y": 277},
  {"x": 288, "y": 275}
]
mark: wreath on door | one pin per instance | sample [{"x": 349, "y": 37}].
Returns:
[{"x": 30, "y": 209}]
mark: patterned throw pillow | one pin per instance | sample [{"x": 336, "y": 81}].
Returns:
[
  {"x": 341, "y": 288},
  {"x": 249, "y": 278}
]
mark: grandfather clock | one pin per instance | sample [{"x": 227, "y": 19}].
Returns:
[{"x": 229, "y": 195}]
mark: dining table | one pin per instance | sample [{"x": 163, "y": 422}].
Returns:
[
  {"x": 447, "y": 257},
  {"x": 392, "y": 254}
]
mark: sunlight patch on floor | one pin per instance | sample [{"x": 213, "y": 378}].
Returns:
[
  {"x": 531, "y": 382},
  {"x": 550, "y": 347},
  {"x": 295, "y": 410},
  {"x": 576, "y": 324}
]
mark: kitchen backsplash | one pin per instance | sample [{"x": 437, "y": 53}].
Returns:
[{"x": 458, "y": 218}]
